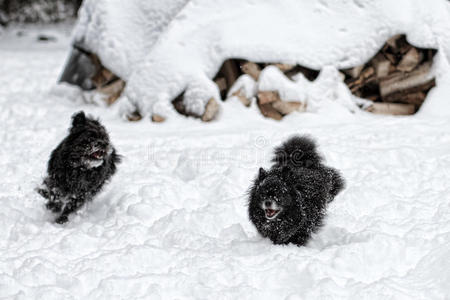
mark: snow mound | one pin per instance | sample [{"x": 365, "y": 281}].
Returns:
[
  {"x": 164, "y": 48},
  {"x": 173, "y": 224}
]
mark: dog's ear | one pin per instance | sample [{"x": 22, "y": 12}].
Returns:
[
  {"x": 262, "y": 174},
  {"x": 78, "y": 119}
]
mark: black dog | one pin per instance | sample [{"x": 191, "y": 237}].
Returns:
[
  {"x": 288, "y": 202},
  {"x": 78, "y": 167}
]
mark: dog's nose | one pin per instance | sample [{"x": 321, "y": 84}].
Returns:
[
  {"x": 101, "y": 144},
  {"x": 268, "y": 203}
]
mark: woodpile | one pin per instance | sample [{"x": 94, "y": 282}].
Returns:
[
  {"x": 269, "y": 102},
  {"x": 396, "y": 80},
  {"x": 398, "y": 74}
]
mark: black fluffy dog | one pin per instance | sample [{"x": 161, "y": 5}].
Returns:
[
  {"x": 78, "y": 167},
  {"x": 288, "y": 202}
]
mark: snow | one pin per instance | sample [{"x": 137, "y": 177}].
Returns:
[
  {"x": 190, "y": 40},
  {"x": 173, "y": 221},
  {"x": 122, "y": 32}
]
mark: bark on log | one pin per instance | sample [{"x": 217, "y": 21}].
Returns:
[
  {"x": 230, "y": 71},
  {"x": 221, "y": 83},
  {"x": 413, "y": 95},
  {"x": 401, "y": 81}
]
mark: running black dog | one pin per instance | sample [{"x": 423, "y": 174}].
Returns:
[
  {"x": 288, "y": 202},
  {"x": 79, "y": 167}
]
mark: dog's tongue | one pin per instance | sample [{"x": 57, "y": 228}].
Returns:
[
  {"x": 97, "y": 154},
  {"x": 271, "y": 212}
]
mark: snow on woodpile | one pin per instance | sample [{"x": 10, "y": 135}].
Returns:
[
  {"x": 122, "y": 33},
  {"x": 166, "y": 48}
]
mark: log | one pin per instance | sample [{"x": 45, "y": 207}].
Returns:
[
  {"x": 134, "y": 116},
  {"x": 230, "y": 71},
  {"x": 268, "y": 97},
  {"x": 221, "y": 83},
  {"x": 416, "y": 98},
  {"x": 269, "y": 112},
  {"x": 157, "y": 118},
  {"x": 367, "y": 73},
  {"x": 402, "y": 81},
  {"x": 393, "y": 40},
  {"x": 391, "y": 108},
  {"x": 211, "y": 110},
  {"x": 415, "y": 95},
  {"x": 102, "y": 77},
  {"x": 112, "y": 90},
  {"x": 252, "y": 69},
  {"x": 399, "y": 44},
  {"x": 354, "y": 72},
  {"x": 391, "y": 57},
  {"x": 366, "y": 76},
  {"x": 381, "y": 65},
  {"x": 286, "y": 107},
  {"x": 410, "y": 60}
]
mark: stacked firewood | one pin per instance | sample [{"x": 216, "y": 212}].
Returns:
[
  {"x": 397, "y": 79},
  {"x": 269, "y": 102}
]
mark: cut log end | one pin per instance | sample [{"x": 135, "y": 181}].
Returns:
[
  {"x": 251, "y": 69},
  {"x": 211, "y": 110},
  {"x": 134, "y": 116},
  {"x": 266, "y": 97},
  {"x": 240, "y": 95},
  {"x": 157, "y": 118},
  {"x": 392, "y": 109},
  {"x": 268, "y": 111},
  {"x": 287, "y": 107}
]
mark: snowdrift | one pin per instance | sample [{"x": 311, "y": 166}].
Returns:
[{"x": 162, "y": 48}]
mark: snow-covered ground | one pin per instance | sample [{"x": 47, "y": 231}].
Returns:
[{"x": 172, "y": 224}]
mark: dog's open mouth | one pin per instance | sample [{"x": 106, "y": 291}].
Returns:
[
  {"x": 271, "y": 213},
  {"x": 99, "y": 154}
]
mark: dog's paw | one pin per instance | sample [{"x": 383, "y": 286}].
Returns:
[
  {"x": 62, "y": 219},
  {"x": 55, "y": 207}
]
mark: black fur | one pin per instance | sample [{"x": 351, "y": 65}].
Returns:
[
  {"x": 79, "y": 167},
  {"x": 300, "y": 186}
]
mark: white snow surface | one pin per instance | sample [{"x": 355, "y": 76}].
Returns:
[
  {"x": 188, "y": 40},
  {"x": 172, "y": 223}
]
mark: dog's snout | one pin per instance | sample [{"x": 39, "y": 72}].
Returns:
[
  {"x": 101, "y": 144},
  {"x": 268, "y": 203}
]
